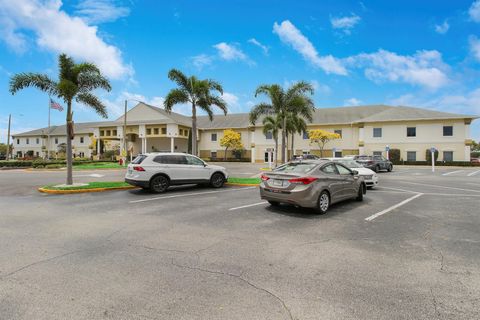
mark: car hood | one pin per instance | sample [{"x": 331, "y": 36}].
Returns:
[
  {"x": 364, "y": 171},
  {"x": 215, "y": 167}
]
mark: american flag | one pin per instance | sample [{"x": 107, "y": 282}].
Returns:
[{"x": 55, "y": 105}]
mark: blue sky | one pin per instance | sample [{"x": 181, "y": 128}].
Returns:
[{"x": 416, "y": 53}]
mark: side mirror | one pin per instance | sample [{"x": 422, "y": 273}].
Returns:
[{"x": 354, "y": 172}]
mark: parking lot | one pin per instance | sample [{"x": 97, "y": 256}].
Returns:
[{"x": 410, "y": 250}]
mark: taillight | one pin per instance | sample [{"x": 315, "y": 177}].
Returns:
[
  {"x": 304, "y": 180},
  {"x": 264, "y": 177},
  {"x": 138, "y": 169}
]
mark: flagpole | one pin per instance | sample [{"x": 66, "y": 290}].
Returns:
[{"x": 48, "y": 134}]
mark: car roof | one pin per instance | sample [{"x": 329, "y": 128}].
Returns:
[{"x": 166, "y": 154}]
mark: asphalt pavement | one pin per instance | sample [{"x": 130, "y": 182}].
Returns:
[{"x": 410, "y": 250}]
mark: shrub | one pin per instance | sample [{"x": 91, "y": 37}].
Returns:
[
  {"x": 15, "y": 164},
  {"x": 394, "y": 155},
  {"x": 428, "y": 155},
  {"x": 54, "y": 166}
]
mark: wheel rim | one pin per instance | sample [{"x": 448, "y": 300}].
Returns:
[
  {"x": 324, "y": 202},
  {"x": 160, "y": 184},
  {"x": 217, "y": 180}
]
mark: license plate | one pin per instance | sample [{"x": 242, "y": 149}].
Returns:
[
  {"x": 130, "y": 171},
  {"x": 278, "y": 183}
]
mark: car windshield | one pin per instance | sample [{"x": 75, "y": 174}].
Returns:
[
  {"x": 350, "y": 163},
  {"x": 297, "y": 167}
]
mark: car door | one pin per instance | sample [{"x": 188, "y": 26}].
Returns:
[
  {"x": 334, "y": 181},
  {"x": 197, "y": 169},
  {"x": 349, "y": 186},
  {"x": 175, "y": 166}
]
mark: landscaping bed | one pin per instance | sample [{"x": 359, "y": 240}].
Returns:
[
  {"x": 247, "y": 181},
  {"x": 87, "y": 187}
]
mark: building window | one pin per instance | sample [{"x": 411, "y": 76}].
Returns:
[
  {"x": 411, "y": 156},
  {"x": 448, "y": 156},
  {"x": 338, "y": 154},
  {"x": 164, "y": 130},
  {"x": 447, "y": 131},
  {"x": 339, "y": 132},
  {"x": 109, "y": 132},
  {"x": 115, "y": 133},
  {"x": 181, "y": 132},
  {"x": 102, "y": 133},
  {"x": 37, "y": 140},
  {"x": 305, "y": 135},
  {"x": 185, "y": 132},
  {"x": 56, "y": 140},
  {"x": 377, "y": 153},
  {"x": 213, "y": 154},
  {"x": 27, "y": 141},
  {"x": 411, "y": 131},
  {"x": 81, "y": 139},
  {"x": 155, "y": 131},
  {"x": 213, "y": 137},
  {"x": 18, "y": 141},
  {"x": 269, "y": 135},
  {"x": 149, "y": 131},
  {"x": 377, "y": 132}
]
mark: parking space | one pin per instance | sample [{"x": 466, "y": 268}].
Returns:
[{"x": 410, "y": 250}]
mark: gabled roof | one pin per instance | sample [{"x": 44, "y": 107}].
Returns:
[
  {"x": 83, "y": 127},
  {"x": 164, "y": 116}
]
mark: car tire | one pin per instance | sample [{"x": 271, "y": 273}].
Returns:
[
  {"x": 217, "y": 180},
  {"x": 376, "y": 168},
  {"x": 274, "y": 203},
  {"x": 360, "y": 193},
  {"x": 323, "y": 202},
  {"x": 390, "y": 168},
  {"x": 159, "y": 184}
]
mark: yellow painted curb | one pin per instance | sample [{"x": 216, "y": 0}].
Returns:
[
  {"x": 242, "y": 184},
  {"x": 84, "y": 190}
]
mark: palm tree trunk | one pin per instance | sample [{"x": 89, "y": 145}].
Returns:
[
  {"x": 293, "y": 149},
  {"x": 194, "y": 130},
  {"x": 225, "y": 155},
  {"x": 69, "y": 129},
  {"x": 284, "y": 131},
  {"x": 276, "y": 152}
]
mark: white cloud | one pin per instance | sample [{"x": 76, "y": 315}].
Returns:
[
  {"x": 442, "y": 28},
  {"x": 290, "y": 35},
  {"x": 201, "y": 60},
  {"x": 260, "y": 45},
  {"x": 474, "y": 43},
  {"x": 352, "y": 102},
  {"x": 231, "y": 52},
  {"x": 424, "y": 68},
  {"x": 116, "y": 107},
  {"x": 474, "y": 11},
  {"x": 99, "y": 11},
  {"x": 54, "y": 30},
  {"x": 346, "y": 24}
]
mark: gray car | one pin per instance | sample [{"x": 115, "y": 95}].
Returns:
[{"x": 311, "y": 184}]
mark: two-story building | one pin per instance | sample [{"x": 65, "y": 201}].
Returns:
[{"x": 363, "y": 130}]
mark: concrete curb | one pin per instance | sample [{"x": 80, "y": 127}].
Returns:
[{"x": 84, "y": 190}]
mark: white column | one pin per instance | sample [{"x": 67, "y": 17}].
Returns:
[
  {"x": 467, "y": 153},
  {"x": 98, "y": 147},
  {"x": 252, "y": 146},
  {"x": 172, "y": 144},
  {"x": 361, "y": 134}
]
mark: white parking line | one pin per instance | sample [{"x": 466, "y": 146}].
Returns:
[
  {"x": 436, "y": 186},
  {"x": 471, "y": 174},
  {"x": 248, "y": 205},
  {"x": 451, "y": 172},
  {"x": 397, "y": 189},
  {"x": 189, "y": 194},
  {"x": 378, "y": 214}
]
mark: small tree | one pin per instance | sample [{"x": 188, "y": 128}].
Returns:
[
  {"x": 428, "y": 155},
  {"x": 231, "y": 140},
  {"x": 394, "y": 155},
  {"x": 321, "y": 137}
]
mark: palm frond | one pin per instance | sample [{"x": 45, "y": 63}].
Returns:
[
  {"x": 85, "y": 67},
  {"x": 180, "y": 79},
  {"x": 174, "y": 97},
  {"x": 88, "y": 81},
  {"x": 93, "y": 102},
  {"x": 212, "y": 84},
  {"x": 36, "y": 80},
  {"x": 65, "y": 66},
  {"x": 259, "y": 110}
]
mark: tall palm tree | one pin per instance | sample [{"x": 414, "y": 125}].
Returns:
[
  {"x": 295, "y": 99},
  {"x": 75, "y": 81},
  {"x": 273, "y": 124},
  {"x": 196, "y": 92},
  {"x": 295, "y": 124}
]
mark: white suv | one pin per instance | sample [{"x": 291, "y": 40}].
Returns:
[{"x": 158, "y": 171}]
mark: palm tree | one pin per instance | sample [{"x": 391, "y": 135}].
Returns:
[
  {"x": 273, "y": 125},
  {"x": 75, "y": 81},
  {"x": 295, "y": 124},
  {"x": 293, "y": 100},
  {"x": 196, "y": 92}
]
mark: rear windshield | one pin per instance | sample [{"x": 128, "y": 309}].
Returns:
[
  {"x": 298, "y": 167},
  {"x": 139, "y": 159}
]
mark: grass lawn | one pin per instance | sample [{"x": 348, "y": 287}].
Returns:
[
  {"x": 244, "y": 180},
  {"x": 92, "y": 185},
  {"x": 99, "y": 165}
]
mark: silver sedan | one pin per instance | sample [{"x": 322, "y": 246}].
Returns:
[{"x": 311, "y": 184}]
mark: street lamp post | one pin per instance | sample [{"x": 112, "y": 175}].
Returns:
[{"x": 8, "y": 136}]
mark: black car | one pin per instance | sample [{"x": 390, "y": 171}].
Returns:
[
  {"x": 3, "y": 157},
  {"x": 375, "y": 163}
]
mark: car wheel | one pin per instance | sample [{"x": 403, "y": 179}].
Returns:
[
  {"x": 390, "y": 168},
  {"x": 274, "y": 203},
  {"x": 360, "y": 193},
  {"x": 159, "y": 184},
  {"x": 217, "y": 180},
  {"x": 323, "y": 202},
  {"x": 376, "y": 168}
]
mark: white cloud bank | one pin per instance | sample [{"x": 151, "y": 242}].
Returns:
[
  {"x": 259, "y": 44},
  {"x": 474, "y": 11},
  {"x": 231, "y": 52},
  {"x": 293, "y": 37},
  {"x": 100, "y": 11},
  {"x": 442, "y": 28},
  {"x": 56, "y": 31},
  {"x": 345, "y": 24},
  {"x": 352, "y": 102}
]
